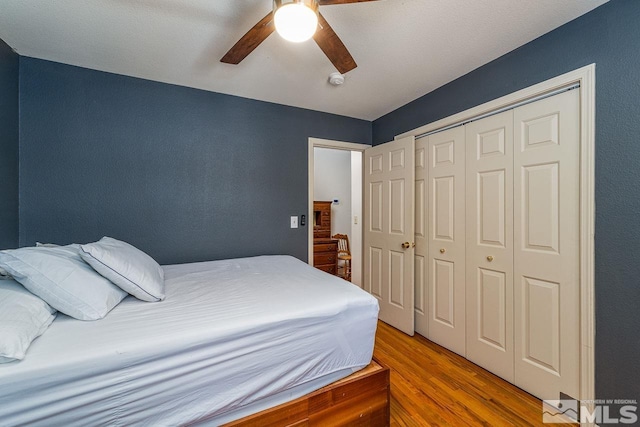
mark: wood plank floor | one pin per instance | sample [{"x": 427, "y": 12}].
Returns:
[{"x": 431, "y": 386}]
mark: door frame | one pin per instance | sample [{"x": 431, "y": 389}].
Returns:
[
  {"x": 335, "y": 145},
  {"x": 585, "y": 76}
]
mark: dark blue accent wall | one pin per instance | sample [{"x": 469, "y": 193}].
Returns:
[
  {"x": 184, "y": 174},
  {"x": 9, "y": 146},
  {"x": 610, "y": 37}
]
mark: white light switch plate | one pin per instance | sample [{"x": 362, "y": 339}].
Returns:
[{"x": 294, "y": 222}]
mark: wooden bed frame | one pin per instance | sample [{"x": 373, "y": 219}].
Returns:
[{"x": 361, "y": 399}]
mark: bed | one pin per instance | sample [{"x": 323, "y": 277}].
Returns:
[{"x": 232, "y": 338}]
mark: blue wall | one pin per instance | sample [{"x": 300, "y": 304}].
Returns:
[
  {"x": 184, "y": 174},
  {"x": 9, "y": 65},
  {"x": 610, "y": 37}
]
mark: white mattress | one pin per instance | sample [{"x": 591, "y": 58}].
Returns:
[{"x": 231, "y": 337}]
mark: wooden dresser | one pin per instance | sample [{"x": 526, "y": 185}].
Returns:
[
  {"x": 325, "y": 249},
  {"x": 325, "y": 255}
]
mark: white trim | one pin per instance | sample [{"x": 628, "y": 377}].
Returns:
[
  {"x": 322, "y": 143},
  {"x": 587, "y": 231},
  {"x": 585, "y": 76},
  {"x": 509, "y": 107},
  {"x": 338, "y": 145}
]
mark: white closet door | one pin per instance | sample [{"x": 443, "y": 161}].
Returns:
[
  {"x": 546, "y": 246},
  {"x": 489, "y": 263},
  {"x": 422, "y": 245},
  {"x": 389, "y": 230},
  {"x": 446, "y": 230}
]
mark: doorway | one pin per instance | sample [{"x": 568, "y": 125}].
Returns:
[{"x": 335, "y": 174}]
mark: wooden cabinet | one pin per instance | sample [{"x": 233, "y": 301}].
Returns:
[
  {"x": 322, "y": 220},
  {"x": 325, "y": 255},
  {"x": 325, "y": 249}
]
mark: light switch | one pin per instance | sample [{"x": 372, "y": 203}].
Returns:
[
  {"x": 355, "y": 219},
  {"x": 294, "y": 221}
]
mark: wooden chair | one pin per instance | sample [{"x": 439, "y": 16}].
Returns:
[{"x": 344, "y": 256}]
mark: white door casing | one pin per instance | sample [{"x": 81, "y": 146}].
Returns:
[
  {"x": 546, "y": 246},
  {"x": 422, "y": 244},
  {"x": 338, "y": 145},
  {"x": 389, "y": 189},
  {"x": 446, "y": 242},
  {"x": 489, "y": 246}
]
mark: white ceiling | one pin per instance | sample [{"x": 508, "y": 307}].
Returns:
[{"x": 403, "y": 48}]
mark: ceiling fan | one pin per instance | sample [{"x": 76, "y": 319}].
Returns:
[{"x": 296, "y": 20}]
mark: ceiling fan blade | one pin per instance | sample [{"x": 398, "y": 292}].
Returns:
[
  {"x": 329, "y": 2},
  {"x": 250, "y": 41},
  {"x": 333, "y": 47}
]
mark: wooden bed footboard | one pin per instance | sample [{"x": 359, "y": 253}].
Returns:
[{"x": 361, "y": 399}]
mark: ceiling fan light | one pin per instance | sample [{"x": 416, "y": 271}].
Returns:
[{"x": 296, "y": 22}]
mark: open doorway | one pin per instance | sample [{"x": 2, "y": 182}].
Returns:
[{"x": 335, "y": 175}]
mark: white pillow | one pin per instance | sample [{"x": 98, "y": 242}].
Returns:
[
  {"x": 63, "y": 280},
  {"x": 126, "y": 266},
  {"x": 46, "y": 245},
  {"x": 23, "y": 318},
  {"x": 6, "y": 276}
]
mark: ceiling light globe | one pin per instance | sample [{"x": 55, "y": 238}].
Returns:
[{"x": 296, "y": 22}]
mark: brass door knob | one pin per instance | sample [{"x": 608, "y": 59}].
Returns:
[
  {"x": 406, "y": 245},
  {"x": 443, "y": 250},
  {"x": 489, "y": 258}
]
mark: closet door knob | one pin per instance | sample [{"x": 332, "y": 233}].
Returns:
[
  {"x": 443, "y": 250},
  {"x": 489, "y": 258},
  {"x": 406, "y": 245}
]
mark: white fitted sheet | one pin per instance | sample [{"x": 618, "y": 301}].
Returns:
[{"x": 230, "y": 337}]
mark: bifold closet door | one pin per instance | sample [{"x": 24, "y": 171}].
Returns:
[
  {"x": 546, "y": 246},
  {"x": 497, "y": 261},
  {"x": 489, "y": 245},
  {"x": 422, "y": 244},
  {"x": 446, "y": 243}
]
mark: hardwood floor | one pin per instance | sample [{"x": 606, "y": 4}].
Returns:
[{"x": 431, "y": 386}]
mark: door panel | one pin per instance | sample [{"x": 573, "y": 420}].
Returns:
[
  {"x": 422, "y": 249},
  {"x": 388, "y": 223},
  {"x": 489, "y": 262},
  {"x": 420, "y": 291},
  {"x": 546, "y": 246},
  {"x": 541, "y": 324},
  {"x": 375, "y": 206},
  {"x": 396, "y": 265},
  {"x": 444, "y": 297},
  {"x": 375, "y": 272},
  {"x": 397, "y": 211},
  {"x": 446, "y": 244},
  {"x": 540, "y": 214},
  {"x": 491, "y": 212},
  {"x": 443, "y": 213},
  {"x": 492, "y": 320}
]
